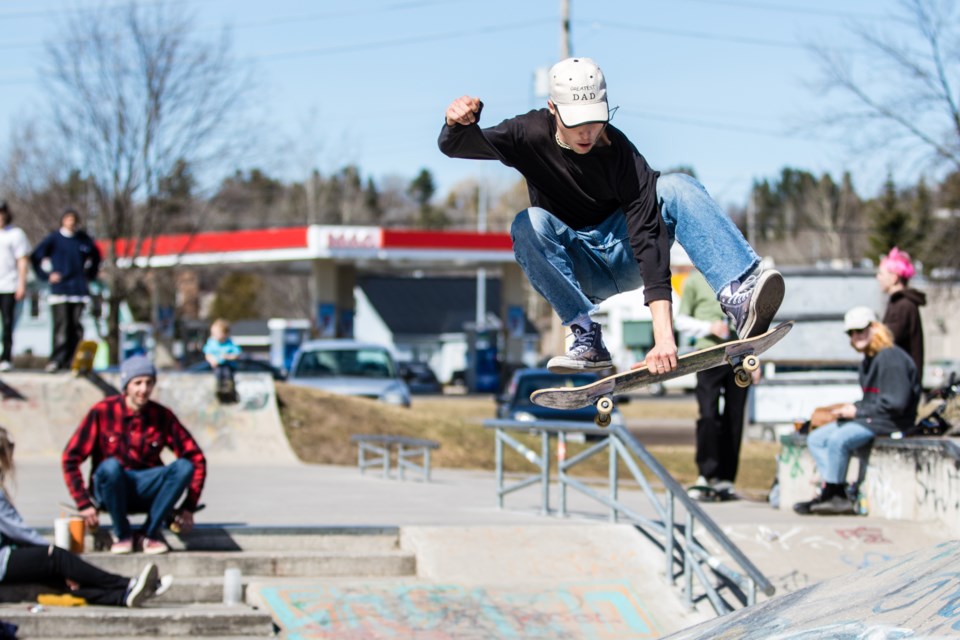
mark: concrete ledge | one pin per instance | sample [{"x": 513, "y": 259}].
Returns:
[
  {"x": 916, "y": 479},
  {"x": 228, "y": 537},
  {"x": 150, "y": 622}
]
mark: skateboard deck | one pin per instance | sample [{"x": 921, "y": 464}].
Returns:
[
  {"x": 82, "y": 362},
  {"x": 742, "y": 355}
]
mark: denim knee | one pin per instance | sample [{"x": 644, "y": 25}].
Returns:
[
  {"x": 672, "y": 185},
  {"x": 532, "y": 223},
  {"x": 108, "y": 472},
  {"x": 181, "y": 469}
]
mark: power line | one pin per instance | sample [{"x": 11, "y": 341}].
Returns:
[
  {"x": 381, "y": 44},
  {"x": 766, "y": 6}
]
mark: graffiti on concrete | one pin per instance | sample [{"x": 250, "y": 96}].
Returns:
[
  {"x": 607, "y": 610},
  {"x": 866, "y": 535},
  {"x": 912, "y": 596}
]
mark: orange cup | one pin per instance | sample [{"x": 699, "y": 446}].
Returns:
[{"x": 78, "y": 532}]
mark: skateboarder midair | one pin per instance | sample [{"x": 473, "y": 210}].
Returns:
[{"x": 601, "y": 221}]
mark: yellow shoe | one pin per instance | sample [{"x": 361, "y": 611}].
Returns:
[{"x": 61, "y": 600}]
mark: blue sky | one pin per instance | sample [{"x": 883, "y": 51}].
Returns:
[{"x": 719, "y": 85}]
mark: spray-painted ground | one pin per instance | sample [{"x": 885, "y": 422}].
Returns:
[
  {"x": 46, "y": 409},
  {"x": 576, "y": 581}
]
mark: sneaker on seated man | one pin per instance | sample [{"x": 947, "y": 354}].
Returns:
[{"x": 124, "y": 436}]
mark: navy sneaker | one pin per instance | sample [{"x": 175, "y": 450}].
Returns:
[
  {"x": 586, "y": 354},
  {"x": 752, "y": 303}
]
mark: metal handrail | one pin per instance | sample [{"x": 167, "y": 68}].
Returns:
[{"x": 678, "y": 539}]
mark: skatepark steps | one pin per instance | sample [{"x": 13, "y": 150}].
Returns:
[
  {"x": 50, "y": 406},
  {"x": 914, "y": 479},
  {"x": 193, "y": 605},
  {"x": 190, "y": 621}
]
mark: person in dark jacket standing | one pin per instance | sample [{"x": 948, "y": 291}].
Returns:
[
  {"x": 602, "y": 221},
  {"x": 891, "y": 392},
  {"x": 124, "y": 437},
  {"x": 902, "y": 316},
  {"x": 67, "y": 259}
]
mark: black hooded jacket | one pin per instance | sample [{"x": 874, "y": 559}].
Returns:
[{"x": 903, "y": 319}]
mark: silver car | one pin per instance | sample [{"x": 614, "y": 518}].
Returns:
[{"x": 350, "y": 368}]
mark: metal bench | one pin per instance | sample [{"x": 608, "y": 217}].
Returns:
[{"x": 375, "y": 451}]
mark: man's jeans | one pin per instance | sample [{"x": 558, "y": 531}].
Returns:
[
  {"x": 576, "y": 270},
  {"x": 832, "y": 445},
  {"x": 153, "y": 491}
]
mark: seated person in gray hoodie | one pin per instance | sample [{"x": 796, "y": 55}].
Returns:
[{"x": 891, "y": 392}]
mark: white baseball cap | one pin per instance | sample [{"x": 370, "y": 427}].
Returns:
[
  {"x": 579, "y": 92},
  {"x": 858, "y": 318}
]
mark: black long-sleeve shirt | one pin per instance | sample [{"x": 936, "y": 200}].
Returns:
[{"x": 581, "y": 190}]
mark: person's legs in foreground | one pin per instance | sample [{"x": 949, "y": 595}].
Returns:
[
  {"x": 574, "y": 271},
  {"x": 74, "y": 331},
  {"x": 52, "y": 566},
  {"x": 156, "y": 492},
  {"x": 58, "y": 352},
  {"x": 718, "y": 434},
  {"x": 7, "y": 305},
  {"x": 831, "y": 447},
  {"x": 153, "y": 491},
  {"x": 749, "y": 295},
  {"x": 734, "y": 412}
]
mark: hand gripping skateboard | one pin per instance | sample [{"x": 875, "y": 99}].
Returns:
[{"x": 742, "y": 355}]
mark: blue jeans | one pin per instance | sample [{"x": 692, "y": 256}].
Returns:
[
  {"x": 576, "y": 270},
  {"x": 832, "y": 445},
  {"x": 152, "y": 491}
]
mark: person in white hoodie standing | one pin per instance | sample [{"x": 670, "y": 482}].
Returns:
[{"x": 14, "y": 262}]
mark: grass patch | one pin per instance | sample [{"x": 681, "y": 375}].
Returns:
[{"x": 319, "y": 426}]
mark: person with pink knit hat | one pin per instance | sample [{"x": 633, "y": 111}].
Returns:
[{"x": 903, "y": 308}]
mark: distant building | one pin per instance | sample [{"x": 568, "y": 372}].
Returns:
[{"x": 430, "y": 319}]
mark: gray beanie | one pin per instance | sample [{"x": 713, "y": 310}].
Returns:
[{"x": 134, "y": 367}]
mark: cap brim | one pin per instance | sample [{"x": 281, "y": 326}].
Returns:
[{"x": 574, "y": 115}]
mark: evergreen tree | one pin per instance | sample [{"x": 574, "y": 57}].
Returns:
[{"x": 889, "y": 221}]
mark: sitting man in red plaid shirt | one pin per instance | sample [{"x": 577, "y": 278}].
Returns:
[{"x": 124, "y": 435}]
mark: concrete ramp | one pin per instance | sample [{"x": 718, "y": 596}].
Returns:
[
  {"x": 911, "y": 596},
  {"x": 48, "y": 408}
]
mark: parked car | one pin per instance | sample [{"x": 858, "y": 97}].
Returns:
[
  {"x": 243, "y": 365},
  {"x": 419, "y": 377},
  {"x": 351, "y": 368},
  {"x": 514, "y": 403}
]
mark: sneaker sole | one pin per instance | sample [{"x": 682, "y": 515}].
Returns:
[
  {"x": 562, "y": 364},
  {"x": 764, "y": 304},
  {"x": 144, "y": 587}
]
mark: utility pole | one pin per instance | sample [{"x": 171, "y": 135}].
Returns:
[{"x": 566, "y": 48}]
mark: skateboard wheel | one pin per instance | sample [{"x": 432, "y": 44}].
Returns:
[
  {"x": 605, "y": 405},
  {"x": 742, "y": 377},
  {"x": 602, "y": 420},
  {"x": 751, "y": 363}
]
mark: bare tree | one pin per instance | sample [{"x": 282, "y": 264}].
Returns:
[
  {"x": 899, "y": 90},
  {"x": 133, "y": 91}
]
